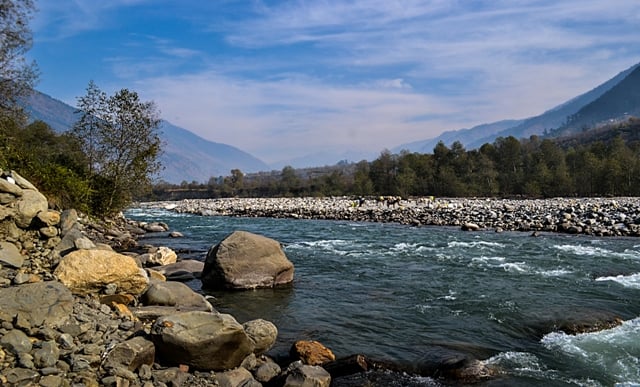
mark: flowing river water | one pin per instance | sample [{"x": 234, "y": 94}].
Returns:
[{"x": 407, "y": 294}]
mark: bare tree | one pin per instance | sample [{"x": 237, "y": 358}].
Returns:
[{"x": 17, "y": 76}]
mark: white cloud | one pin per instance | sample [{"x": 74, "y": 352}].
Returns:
[{"x": 296, "y": 116}]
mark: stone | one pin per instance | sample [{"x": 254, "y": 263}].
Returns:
[
  {"x": 175, "y": 234},
  {"x": 131, "y": 354},
  {"x": 10, "y": 188},
  {"x": 21, "y": 181},
  {"x": 21, "y": 376},
  {"x": 87, "y": 271},
  {"x": 235, "y": 378},
  {"x": 49, "y": 217},
  {"x": 262, "y": 333},
  {"x": 470, "y": 227},
  {"x": 40, "y": 303},
  {"x": 68, "y": 241},
  {"x": 28, "y": 206},
  {"x": 267, "y": 371},
  {"x": 51, "y": 381},
  {"x": 10, "y": 255},
  {"x": 190, "y": 266},
  {"x": 16, "y": 342},
  {"x": 84, "y": 243},
  {"x": 155, "y": 227},
  {"x": 162, "y": 256},
  {"x": 302, "y": 375},
  {"x": 174, "y": 294},
  {"x": 311, "y": 352},
  {"x": 49, "y": 231},
  {"x": 202, "y": 340},
  {"x": 47, "y": 355},
  {"x": 6, "y": 198},
  {"x": 172, "y": 377},
  {"x": 68, "y": 219},
  {"x": 244, "y": 260}
]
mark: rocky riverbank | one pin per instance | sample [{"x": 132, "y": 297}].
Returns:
[
  {"x": 83, "y": 304},
  {"x": 591, "y": 216}
]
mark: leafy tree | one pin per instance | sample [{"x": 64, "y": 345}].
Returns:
[
  {"x": 383, "y": 172},
  {"x": 289, "y": 181},
  {"x": 362, "y": 183},
  {"x": 17, "y": 77},
  {"x": 119, "y": 135}
]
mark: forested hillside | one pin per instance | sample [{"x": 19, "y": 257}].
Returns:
[{"x": 602, "y": 162}]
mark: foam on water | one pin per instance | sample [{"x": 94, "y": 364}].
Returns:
[
  {"x": 554, "y": 272},
  {"x": 597, "y": 251},
  {"x": 335, "y": 246},
  {"x": 515, "y": 267},
  {"x": 616, "y": 350},
  {"x": 629, "y": 281},
  {"x": 476, "y": 244}
]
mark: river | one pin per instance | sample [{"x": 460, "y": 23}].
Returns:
[{"x": 407, "y": 294}]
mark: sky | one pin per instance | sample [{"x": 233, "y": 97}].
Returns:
[{"x": 286, "y": 79}]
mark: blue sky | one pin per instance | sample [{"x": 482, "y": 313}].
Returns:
[{"x": 283, "y": 79}]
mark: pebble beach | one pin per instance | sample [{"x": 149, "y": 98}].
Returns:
[{"x": 618, "y": 216}]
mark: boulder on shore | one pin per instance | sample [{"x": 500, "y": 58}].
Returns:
[
  {"x": 87, "y": 271},
  {"x": 36, "y": 304},
  {"x": 202, "y": 340},
  {"x": 244, "y": 260}
]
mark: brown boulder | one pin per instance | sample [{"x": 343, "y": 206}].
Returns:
[
  {"x": 87, "y": 271},
  {"x": 311, "y": 352},
  {"x": 202, "y": 340},
  {"x": 244, "y": 260}
]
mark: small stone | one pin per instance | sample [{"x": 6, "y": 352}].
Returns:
[
  {"x": 10, "y": 255},
  {"x": 16, "y": 342},
  {"x": 51, "y": 381}
]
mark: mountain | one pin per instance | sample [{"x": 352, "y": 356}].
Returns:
[
  {"x": 537, "y": 125},
  {"x": 186, "y": 157},
  {"x": 619, "y": 102},
  {"x": 465, "y": 136},
  {"x": 320, "y": 159}
]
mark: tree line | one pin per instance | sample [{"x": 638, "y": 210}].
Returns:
[{"x": 508, "y": 167}]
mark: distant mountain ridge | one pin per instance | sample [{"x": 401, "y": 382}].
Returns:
[
  {"x": 619, "y": 102},
  {"x": 186, "y": 157},
  {"x": 546, "y": 122}
]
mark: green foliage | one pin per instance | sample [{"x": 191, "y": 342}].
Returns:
[
  {"x": 119, "y": 136},
  {"x": 52, "y": 162}
]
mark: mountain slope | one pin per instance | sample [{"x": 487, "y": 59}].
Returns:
[
  {"x": 549, "y": 120},
  {"x": 465, "y": 136},
  {"x": 620, "y": 101},
  {"x": 557, "y": 116},
  {"x": 186, "y": 157}
]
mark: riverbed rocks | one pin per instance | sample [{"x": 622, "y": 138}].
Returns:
[
  {"x": 592, "y": 216},
  {"x": 87, "y": 271},
  {"x": 202, "y": 340},
  {"x": 244, "y": 260}
]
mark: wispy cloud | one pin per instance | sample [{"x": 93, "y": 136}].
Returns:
[{"x": 287, "y": 77}]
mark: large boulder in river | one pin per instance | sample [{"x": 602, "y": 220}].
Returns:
[
  {"x": 201, "y": 340},
  {"x": 87, "y": 271},
  {"x": 246, "y": 261}
]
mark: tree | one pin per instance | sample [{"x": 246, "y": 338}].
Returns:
[
  {"x": 119, "y": 134},
  {"x": 17, "y": 77}
]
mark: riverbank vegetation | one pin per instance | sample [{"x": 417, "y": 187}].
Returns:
[{"x": 600, "y": 162}]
